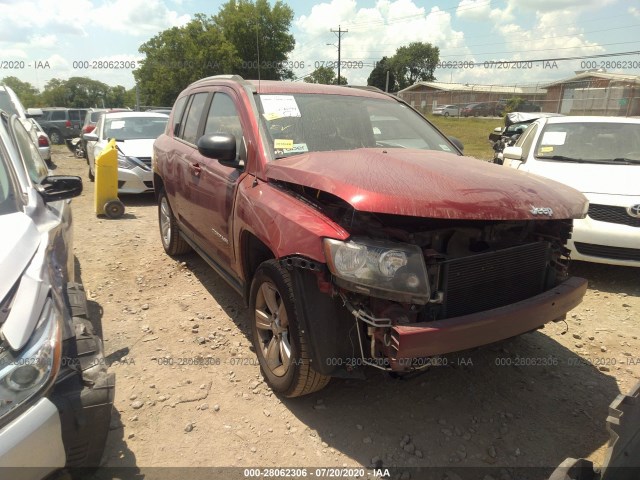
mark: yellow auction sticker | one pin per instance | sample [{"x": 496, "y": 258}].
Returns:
[
  {"x": 283, "y": 144},
  {"x": 546, "y": 149}
]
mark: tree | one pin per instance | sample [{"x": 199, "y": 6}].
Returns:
[
  {"x": 80, "y": 92},
  {"x": 28, "y": 94},
  {"x": 225, "y": 43},
  {"x": 324, "y": 75},
  {"x": 179, "y": 56},
  {"x": 256, "y": 27},
  {"x": 378, "y": 76},
  {"x": 415, "y": 62}
]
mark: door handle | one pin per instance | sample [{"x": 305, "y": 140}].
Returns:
[{"x": 196, "y": 169}]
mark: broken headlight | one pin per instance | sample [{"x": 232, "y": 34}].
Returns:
[
  {"x": 394, "y": 271},
  {"x": 30, "y": 370}
]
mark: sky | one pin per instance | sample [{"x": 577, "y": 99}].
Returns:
[{"x": 41, "y": 39}]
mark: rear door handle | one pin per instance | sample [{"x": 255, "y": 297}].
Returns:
[{"x": 196, "y": 169}]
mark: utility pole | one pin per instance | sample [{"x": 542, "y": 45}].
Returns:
[{"x": 339, "y": 32}]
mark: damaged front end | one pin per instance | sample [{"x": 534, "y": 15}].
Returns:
[{"x": 415, "y": 288}]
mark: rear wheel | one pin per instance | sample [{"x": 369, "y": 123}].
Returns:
[
  {"x": 280, "y": 345},
  {"x": 56, "y": 137},
  {"x": 172, "y": 242}
]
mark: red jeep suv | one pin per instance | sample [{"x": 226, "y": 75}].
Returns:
[{"x": 357, "y": 233}]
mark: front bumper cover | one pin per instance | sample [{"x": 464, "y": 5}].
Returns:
[{"x": 462, "y": 333}]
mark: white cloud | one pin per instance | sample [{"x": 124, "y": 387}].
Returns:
[
  {"x": 635, "y": 11},
  {"x": 372, "y": 33},
  {"x": 473, "y": 9},
  {"x": 137, "y": 17}
]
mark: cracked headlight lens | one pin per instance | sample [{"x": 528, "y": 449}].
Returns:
[
  {"x": 378, "y": 268},
  {"x": 27, "y": 372}
]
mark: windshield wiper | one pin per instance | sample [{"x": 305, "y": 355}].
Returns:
[
  {"x": 628, "y": 161},
  {"x": 564, "y": 159}
]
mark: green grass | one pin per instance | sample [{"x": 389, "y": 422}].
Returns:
[{"x": 472, "y": 132}]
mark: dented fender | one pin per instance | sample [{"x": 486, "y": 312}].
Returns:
[{"x": 287, "y": 225}]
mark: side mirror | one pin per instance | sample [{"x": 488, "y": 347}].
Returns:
[
  {"x": 90, "y": 137},
  {"x": 60, "y": 187},
  {"x": 457, "y": 143},
  {"x": 219, "y": 146},
  {"x": 34, "y": 112},
  {"x": 512, "y": 153}
]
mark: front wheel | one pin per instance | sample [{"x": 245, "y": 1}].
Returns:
[{"x": 280, "y": 344}]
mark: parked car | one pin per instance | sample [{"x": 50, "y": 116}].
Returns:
[
  {"x": 484, "y": 109},
  {"x": 10, "y": 103},
  {"x": 599, "y": 156},
  {"x": 62, "y": 123},
  {"x": 352, "y": 249},
  {"x": 56, "y": 394},
  {"x": 134, "y": 133},
  {"x": 447, "y": 110},
  {"x": 90, "y": 121},
  {"x": 44, "y": 144},
  {"x": 515, "y": 123}
]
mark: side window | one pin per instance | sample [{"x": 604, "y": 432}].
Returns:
[
  {"x": 223, "y": 117},
  {"x": 33, "y": 162},
  {"x": 527, "y": 140},
  {"x": 74, "y": 115},
  {"x": 58, "y": 115},
  {"x": 178, "y": 109},
  {"x": 192, "y": 122}
]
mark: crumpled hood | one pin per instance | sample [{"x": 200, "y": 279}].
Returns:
[
  {"x": 427, "y": 183},
  {"x": 18, "y": 243},
  {"x": 590, "y": 177},
  {"x": 137, "y": 148}
]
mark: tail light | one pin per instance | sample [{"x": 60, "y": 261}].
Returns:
[
  {"x": 88, "y": 128},
  {"x": 42, "y": 141},
  {"x": 67, "y": 123}
]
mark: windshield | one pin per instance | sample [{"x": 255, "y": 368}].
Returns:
[
  {"x": 134, "y": 128},
  {"x": 597, "y": 142},
  {"x": 303, "y": 123}
]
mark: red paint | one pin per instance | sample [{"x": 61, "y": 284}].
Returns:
[
  {"x": 461, "y": 333},
  {"x": 427, "y": 183}
]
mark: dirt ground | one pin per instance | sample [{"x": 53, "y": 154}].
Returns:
[{"x": 189, "y": 391}]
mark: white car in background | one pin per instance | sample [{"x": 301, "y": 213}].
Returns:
[
  {"x": 600, "y": 157},
  {"x": 447, "y": 110},
  {"x": 135, "y": 133}
]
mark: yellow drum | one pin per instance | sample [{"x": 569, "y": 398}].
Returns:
[{"x": 106, "y": 193}]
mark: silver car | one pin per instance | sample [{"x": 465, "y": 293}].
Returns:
[{"x": 56, "y": 395}]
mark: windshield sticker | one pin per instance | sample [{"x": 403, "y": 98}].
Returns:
[
  {"x": 280, "y": 105},
  {"x": 445, "y": 148},
  {"x": 299, "y": 148},
  {"x": 116, "y": 125},
  {"x": 554, "y": 138},
  {"x": 281, "y": 143},
  {"x": 546, "y": 149},
  {"x": 271, "y": 116}
]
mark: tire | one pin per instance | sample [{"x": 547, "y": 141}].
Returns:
[
  {"x": 281, "y": 348},
  {"x": 446, "y": 114},
  {"x": 114, "y": 209},
  {"x": 56, "y": 137},
  {"x": 92, "y": 177},
  {"x": 172, "y": 242}
]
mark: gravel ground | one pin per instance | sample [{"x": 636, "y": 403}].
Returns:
[{"x": 189, "y": 392}]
